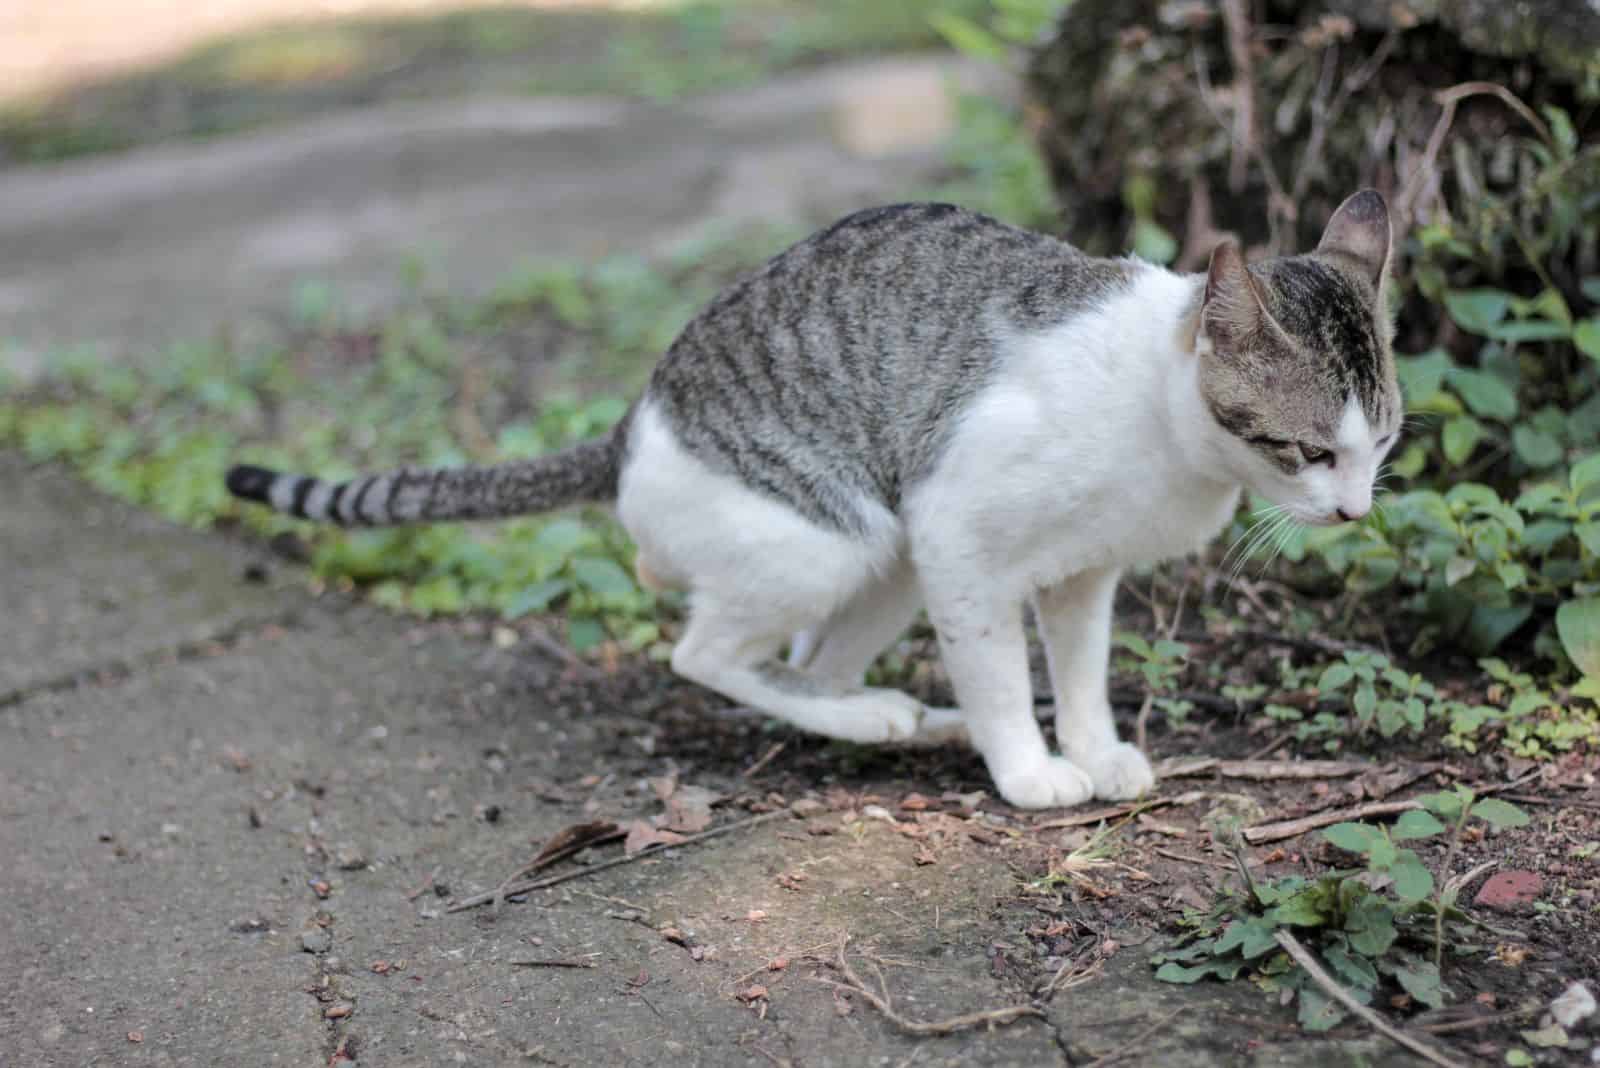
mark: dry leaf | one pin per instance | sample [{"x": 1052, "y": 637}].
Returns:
[
  {"x": 571, "y": 839},
  {"x": 642, "y": 836},
  {"x": 689, "y": 809},
  {"x": 755, "y": 993}
]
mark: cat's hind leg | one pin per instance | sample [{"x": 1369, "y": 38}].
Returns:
[
  {"x": 757, "y": 570},
  {"x": 732, "y": 652}
]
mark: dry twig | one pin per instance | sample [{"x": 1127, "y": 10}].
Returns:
[
  {"x": 885, "y": 1005},
  {"x": 1302, "y": 956},
  {"x": 1448, "y": 100},
  {"x": 1262, "y": 770},
  {"x": 1273, "y": 832},
  {"x": 553, "y": 964},
  {"x": 1099, "y": 815},
  {"x": 615, "y": 862},
  {"x": 766, "y": 758}
]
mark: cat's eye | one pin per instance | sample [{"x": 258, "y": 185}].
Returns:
[{"x": 1315, "y": 454}]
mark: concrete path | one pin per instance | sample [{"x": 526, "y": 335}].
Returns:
[{"x": 171, "y": 243}]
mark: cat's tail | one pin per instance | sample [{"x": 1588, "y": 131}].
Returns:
[{"x": 585, "y": 472}]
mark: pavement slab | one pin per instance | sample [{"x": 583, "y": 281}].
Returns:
[{"x": 90, "y": 585}]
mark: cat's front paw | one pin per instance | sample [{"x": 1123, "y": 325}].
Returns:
[
  {"x": 1119, "y": 772},
  {"x": 1054, "y": 782}
]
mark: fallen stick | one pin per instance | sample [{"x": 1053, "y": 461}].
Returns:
[
  {"x": 883, "y": 1004},
  {"x": 1273, "y": 832},
  {"x": 766, "y": 759},
  {"x": 1262, "y": 770},
  {"x": 1302, "y": 956},
  {"x": 554, "y": 880},
  {"x": 1083, "y": 819},
  {"x": 553, "y": 964}
]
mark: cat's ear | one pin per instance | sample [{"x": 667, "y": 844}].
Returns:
[
  {"x": 1233, "y": 305},
  {"x": 1359, "y": 231}
]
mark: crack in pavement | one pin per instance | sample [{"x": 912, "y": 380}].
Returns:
[{"x": 114, "y": 672}]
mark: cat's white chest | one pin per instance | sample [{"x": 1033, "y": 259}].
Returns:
[{"x": 1070, "y": 462}]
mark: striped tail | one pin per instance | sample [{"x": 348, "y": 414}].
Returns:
[{"x": 586, "y": 472}]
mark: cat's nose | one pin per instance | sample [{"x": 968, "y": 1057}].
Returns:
[{"x": 1349, "y": 514}]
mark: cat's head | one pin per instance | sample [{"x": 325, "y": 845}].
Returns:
[{"x": 1296, "y": 369}]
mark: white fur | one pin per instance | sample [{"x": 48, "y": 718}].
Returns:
[{"x": 1092, "y": 451}]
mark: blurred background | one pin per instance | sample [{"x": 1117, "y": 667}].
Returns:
[{"x": 338, "y": 235}]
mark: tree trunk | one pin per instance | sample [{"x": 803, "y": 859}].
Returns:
[{"x": 1256, "y": 117}]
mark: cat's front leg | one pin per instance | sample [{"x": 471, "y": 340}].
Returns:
[
  {"x": 1074, "y": 618},
  {"x": 985, "y": 651}
]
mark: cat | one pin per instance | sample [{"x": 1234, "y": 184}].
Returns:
[{"x": 920, "y": 407}]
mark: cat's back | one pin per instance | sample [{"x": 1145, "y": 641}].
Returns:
[{"x": 836, "y": 369}]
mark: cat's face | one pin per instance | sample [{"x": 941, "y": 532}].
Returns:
[{"x": 1297, "y": 371}]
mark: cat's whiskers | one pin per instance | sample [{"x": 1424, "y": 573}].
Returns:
[
  {"x": 1270, "y": 519},
  {"x": 1285, "y": 531},
  {"x": 1247, "y": 541}
]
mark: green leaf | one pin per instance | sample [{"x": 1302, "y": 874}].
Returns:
[
  {"x": 1486, "y": 394},
  {"x": 1356, "y": 970},
  {"x": 1153, "y": 242},
  {"x": 1477, "y": 310},
  {"x": 1366, "y": 702},
  {"x": 1370, "y": 926},
  {"x": 1417, "y": 823},
  {"x": 1318, "y": 1012},
  {"x": 585, "y": 634},
  {"x": 1335, "y": 676},
  {"x": 967, "y": 36},
  {"x": 1383, "y": 852},
  {"x": 602, "y": 576},
  {"x": 1412, "y": 881},
  {"x": 1446, "y": 803},
  {"x": 1578, "y": 625},
  {"x": 1497, "y": 813},
  {"x": 1530, "y": 330},
  {"x": 1356, "y": 837},
  {"x": 1534, "y": 447},
  {"x": 1584, "y": 473},
  {"x": 536, "y": 598},
  {"x": 1586, "y": 335},
  {"x": 1420, "y": 979},
  {"x": 1459, "y": 437},
  {"x": 1589, "y": 534},
  {"x": 1421, "y": 376},
  {"x": 1518, "y": 1058}
]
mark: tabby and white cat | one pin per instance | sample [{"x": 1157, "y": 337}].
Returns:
[{"x": 920, "y": 407}]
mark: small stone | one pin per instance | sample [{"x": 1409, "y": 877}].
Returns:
[
  {"x": 316, "y": 940},
  {"x": 339, "y": 1011},
  {"x": 349, "y": 858},
  {"x": 1509, "y": 890},
  {"x": 807, "y": 807},
  {"x": 878, "y": 812},
  {"x": 1575, "y": 1005}
]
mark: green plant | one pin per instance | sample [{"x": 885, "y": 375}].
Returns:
[
  {"x": 342, "y": 398},
  {"x": 1160, "y": 664},
  {"x": 1367, "y": 923}
]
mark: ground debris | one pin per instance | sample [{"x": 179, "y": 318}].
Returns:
[{"x": 885, "y": 1005}]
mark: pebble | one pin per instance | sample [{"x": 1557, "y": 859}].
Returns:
[
  {"x": 350, "y": 858},
  {"x": 806, "y": 806},
  {"x": 1509, "y": 890},
  {"x": 316, "y": 940},
  {"x": 1575, "y": 1005}
]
